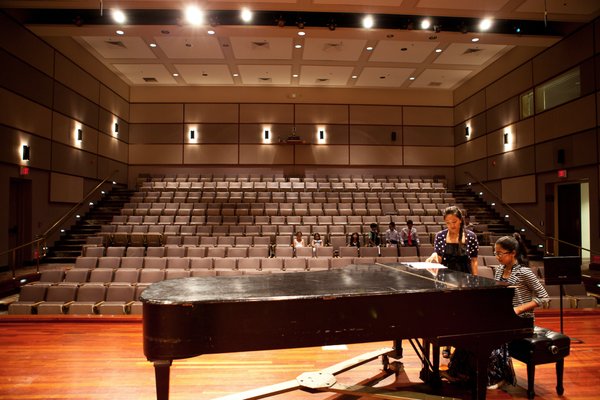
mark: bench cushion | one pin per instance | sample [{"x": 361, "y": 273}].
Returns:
[{"x": 545, "y": 346}]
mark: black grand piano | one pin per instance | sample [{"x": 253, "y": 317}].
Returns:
[{"x": 187, "y": 317}]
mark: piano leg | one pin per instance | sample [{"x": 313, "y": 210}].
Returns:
[
  {"x": 481, "y": 372},
  {"x": 161, "y": 373}
]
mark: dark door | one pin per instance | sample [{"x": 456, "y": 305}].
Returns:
[
  {"x": 569, "y": 218},
  {"x": 19, "y": 220}
]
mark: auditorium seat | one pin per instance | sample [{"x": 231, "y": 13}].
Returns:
[
  {"x": 101, "y": 275},
  {"x": 317, "y": 264},
  {"x": 109, "y": 262},
  {"x": 89, "y": 296},
  {"x": 271, "y": 264},
  {"x": 196, "y": 252},
  {"x": 248, "y": 264},
  {"x": 209, "y": 241},
  {"x": 578, "y": 296},
  {"x": 243, "y": 241},
  {"x": 151, "y": 275},
  {"x": 294, "y": 264},
  {"x": 155, "y": 252},
  {"x": 304, "y": 252},
  {"x": 215, "y": 252},
  {"x": 408, "y": 251},
  {"x": 485, "y": 271},
  {"x": 93, "y": 251},
  {"x": 53, "y": 276},
  {"x": 190, "y": 241},
  {"x": 386, "y": 260},
  {"x": 347, "y": 251},
  {"x": 135, "y": 252},
  {"x": 155, "y": 263},
  {"x": 119, "y": 298},
  {"x": 126, "y": 275},
  {"x": 369, "y": 252},
  {"x": 178, "y": 263},
  {"x": 324, "y": 252},
  {"x": 201, "y": 263},
  {"x": 224, "y": 264},
  {"x": 132, "y": 262},
  {"x": 76, "y": 275},
  {"x": 30, "y": 296},
  {"x": 226, "y": 241},
  {"x": 258, "y": 251},
  {"x": 176, "y": 273},
  {"x": 283, "y": 250},
  {"x": 58, "y": 299},
  {"x": 340, "y": 262},
  {"x": 388, "y": 251},
  {"x": 237, "y": 252}
]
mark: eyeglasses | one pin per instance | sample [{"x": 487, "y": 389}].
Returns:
[{"x": 498, "y": 254}]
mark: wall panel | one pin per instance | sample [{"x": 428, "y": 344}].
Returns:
[
  {"x": 73, "y": 161},
  {"x": 376, "y": 135},
  {"x": 155, "y": 113},
  {"x": 376, "y": 155},
  {"x": 470, "y": 151},
  {"x": 66, "y": 188},
  {"x": 427, "y": 136},
  {"x": 428, "y": 156},
  {"x": 155, "y": 133},
  {"x": 470, "y": 107},
  {"x": 25, "y": 80},
  {"x": 514, "y": 163},
  {"x": 478, "y": 168},
  {"x": 255, "y": 133},
  {"x": 266, "y": 154},
  {"x": 578, "y": 150},
  {"x": 211, "y": 113},
  {"x": 559, "y": 121},
  {"x": 267, "y": 113},
  {"x": 519, "y": 190},
  {"x": 321, "y": 154},
  {"x": 158, "y": 154},
  {"x": 107, "y": 126},
  {"x": 477, "y": 128},
  {"x": 64, "y": 130},
  {"x": 333, "y": 134},
  {"x": 107, "y": 166},
  {"x": 72, "y": 104},
  {"x": 24, "y": 114},
  {"x": 321, "y": 114},
  {"x": 12, "y": 146},
  {"x": 111, "y": 147},
  {"x": 428, "y": 116},
  {"x": 210, "y": 154},
  {"x": 375, "y": 115},
  {"x": 73, "y": 77},
  {"x": 503, "y": 114},
  {"x": 114, "y": 103},
  {"x": 513, "y": 84},
  {"x": 211, "y": 133},
  {"x": 521, "y": 135}
]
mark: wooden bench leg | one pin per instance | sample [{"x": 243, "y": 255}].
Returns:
[
  {"x": 560, "y": 366},
  {"x": 530, "y": 380}
]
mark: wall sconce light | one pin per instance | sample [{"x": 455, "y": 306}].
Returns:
[
  {"x": 25, "y": 152},
  {"x": 116, "y": 127},
  {"x": 79, "y": 134},
  {"x": 321, "y": 135},
  {"x": 192, "y": 134},
  {"x": 467, "y": 133},
  {"x": 505, "y": 137},
  {"x": 266, "y": 134},
  {"x": 393, "y": 137}
]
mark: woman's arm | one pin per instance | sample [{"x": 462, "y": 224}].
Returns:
[
  {"x": 434, "y": 258},
  {"x": 474, "y": 266},
  {"x": 526, "y": 307}
]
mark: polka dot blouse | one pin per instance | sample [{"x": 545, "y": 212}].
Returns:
[{"x": 439, "y": 245}]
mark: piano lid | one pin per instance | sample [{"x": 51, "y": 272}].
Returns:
[{"x": 353, "y": 281}]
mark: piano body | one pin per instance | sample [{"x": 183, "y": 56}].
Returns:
[{"x": 187, "y": 317}]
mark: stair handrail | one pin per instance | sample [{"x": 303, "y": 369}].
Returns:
[
  {"x": 546, "y": 238},
  {"x": 44, "y": 236}
]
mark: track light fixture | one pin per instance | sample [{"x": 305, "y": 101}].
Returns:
[
  {"x": 300, "y": 23},
  {"x": 280, "y": 21},
  {"x": 332, "y": 25}
]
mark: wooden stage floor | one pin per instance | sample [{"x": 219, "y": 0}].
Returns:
[{"x": 103, "y": 359}]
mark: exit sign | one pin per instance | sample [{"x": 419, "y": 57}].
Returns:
[
  {"x": 24, "y": 171},
  {"x": 562, "y": 173}
]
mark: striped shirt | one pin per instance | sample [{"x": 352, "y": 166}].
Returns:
[{"x": 527, "y": 287}]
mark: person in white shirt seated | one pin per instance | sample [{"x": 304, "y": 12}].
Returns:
[
  {"x": 392, "y": 236},
  {"x": 409, "y": 235}
]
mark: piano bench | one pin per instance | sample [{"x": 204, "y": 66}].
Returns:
[{"x": 544, "y": 347}]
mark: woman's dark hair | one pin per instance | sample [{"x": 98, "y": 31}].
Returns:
[
  {"x": 453, "y": 210},
  {"x": 357, "y": 236},
  {"x": 514, "y": 243},
  {"x": 317, "y": 235}
]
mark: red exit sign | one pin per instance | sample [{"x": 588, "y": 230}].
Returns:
[{"x": 562, "y": 173}]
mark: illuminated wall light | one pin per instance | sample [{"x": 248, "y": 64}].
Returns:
[
  {"x": 505, "y": 138},
  {"x": 116, "y": 128},
  {"x": 194, "y": 15},
  {"x": 321, "y": 135},
  {"x": 467, "y": 131},
  {"x": 192, "y": 134},
  {"x": 120, "y": 32},
  {"x": 301, "y": 33},
  {"x": 493, "y": 204},
  {"x": 119, "y": 16},
  {"x": 25, "y": 152},
  {"x": 266, "y": 134},
  {"x": 506, "y": 216},
  {"x": 79, "y": 134}
]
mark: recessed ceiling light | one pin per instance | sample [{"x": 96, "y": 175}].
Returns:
[
  {"x": 298, "y": 46},
  {"x": 120, "y": 32},
  {"x": 211, "y": 32},
  {"x": 369, "y": 48},
  {"x": 354, "y": 76},
  {"x": 485, "y": 24},
  {"x": 152, "y": 44},
  {"x": 246, "y": 15},
  {"x": 425, "y": 24},
  {"x": 475, "y": 39},
  {"x": 412, "y": 78},
  {"x": 368, "y": 22},
  {"x": 175, "y": 74},
  {"x": 301, "y": 33},
  {"x": 119, "y": 16},
  {"x": 236, "y": 74},
  {"x": 438, "y": 50},
  {"x": 295, "y": 76}
]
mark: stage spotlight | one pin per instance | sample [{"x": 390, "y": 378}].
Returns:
[
  {"x": 300, "y": 23},
  {"x": 119, "y": 16},
  {"x": 280, "y": 21},
  {"x": 194, "y": 15},
  {"x": 437, "y": 28},
  {"x": 246, "y": 15},
  {"x": 485, "y": 24},
  {"x": 425, "y": 24},
  {"x": 368, "y": 22}
]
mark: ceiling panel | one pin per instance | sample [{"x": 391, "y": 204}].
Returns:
[
  {"x": 440, "y": 78},
  {"x": 119, "y": 46},
  {"x": 311, "y": 75},
  {"x": 265, "y": 74},
  {"x": 402, "y": 52},
  {"x": 262, "y": 48},
  {"x": 145, "y": 74},
  {"x": 207, "y": 74},
  {"x": 190, "y": 47},
  {"x": 333, "y": 49},
  {"x": 487, "y": 5},
  {"x": 384, "y": 77},
  {"x": 468, "y": 54},
  {"x": 582, "y": 7}
]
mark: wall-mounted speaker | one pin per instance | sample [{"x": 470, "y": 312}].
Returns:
[
  {"x": 393, "y": 136},
  {"x": 560, "y": 156}
]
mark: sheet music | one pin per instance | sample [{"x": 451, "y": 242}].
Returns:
[{"x": 424, "y": 265}]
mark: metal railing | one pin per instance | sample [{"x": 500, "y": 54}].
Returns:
[
  {"x": 40, "y": 240},
  {"x": 541, "y": 234}
]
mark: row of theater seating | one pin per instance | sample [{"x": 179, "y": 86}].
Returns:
[
  {"x": 194, "y": 177},
  {"x": 292, "y": 186}
]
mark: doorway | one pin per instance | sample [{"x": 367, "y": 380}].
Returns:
[
  {"x": 19, "y": 221},
  {"x": 572, "y": 218}
]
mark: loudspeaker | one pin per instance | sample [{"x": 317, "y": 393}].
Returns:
[
  {"x": 560, "y": 156},
  {"x": 562, "y": 270},
  {"x": 393, "y": 136}
]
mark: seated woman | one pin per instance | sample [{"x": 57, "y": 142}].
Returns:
[
  {"x": 298, "y": 240},
  {"x": 316, "y": 241},
  {"x": 354, "y": 240}
]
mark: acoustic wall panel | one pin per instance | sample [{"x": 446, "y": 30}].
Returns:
[
  {"x": 72, "y": 104},
  {"x": 511, "y": 164},
  {"x": 321, "y": 114},
  {"x": 576, "y": 151},
  {"x": 72, "y": 161},
  {"x": 24, "y": 114},
  {"x": 155, "y": 154},
  {"x": 519, "y": 190},
  {"x": 65, "y": 130},
  {"x": 512, "y": 84},
  {"x": 428, "y": 116},
  {"x": 520, "y": 135},
  {"x": 211, "y": 133},
  {"x": 427, "y": 136},
  {"x": 211, "y": 113},
  {"x": 107, "y": 126},
  {"x": 155, "y": 113},
  {"x": 321, "y": 154},
  {"x": 12, "y": 148},
  {"x": 255, "y": 133},
  {"x": 267, "y": 113},
  {"x": 376, "y": 155},
  {"x": 155, "y": 133},
  {"x": 375, "y": 115},
  {"x": 111, "y": 147},
  {"x": 428, "y": 156},
  {"x": 470, "y": 107},
  {"x": 114, "y": 103},
  {"x": 267, "y": 154},
  {"x": 503, "y": 114},
  {"x": 66, "y": 188},
  {"x": 376, "y": 135},
  {"x": 75, "y": 78},
  {"x": 210, "y": 154},
  {"x": 559, "y": 121},
  {"x": 25, "y": 80}
]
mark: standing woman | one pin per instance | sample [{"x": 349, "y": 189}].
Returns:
[
  {"x": 455, "y": 247},
  {"x": 529, "y": 294}
]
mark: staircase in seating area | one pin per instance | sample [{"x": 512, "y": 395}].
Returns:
[
  {"x": 71, "y": 242},
  {"x": 487, "y": 221}
]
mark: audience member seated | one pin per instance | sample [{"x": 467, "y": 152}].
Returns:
[
  {"x": 392, "y": 236},
  {"x": 409, "y": 235}
]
